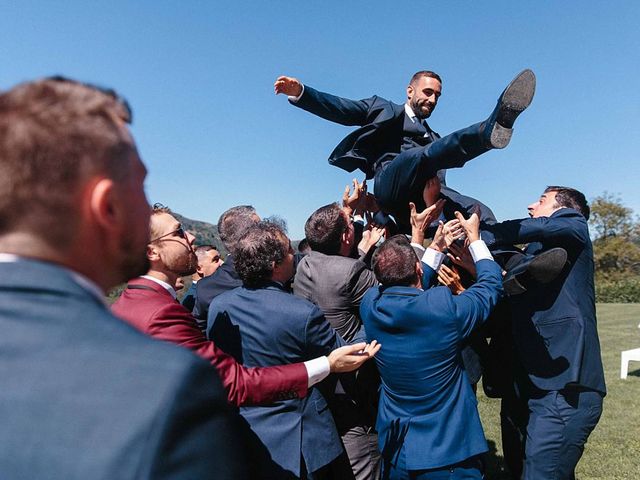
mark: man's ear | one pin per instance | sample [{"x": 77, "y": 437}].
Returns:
[
  {"x": 344, "y": 239},
  {"x": 419, "y": 273},
  {"x": 104, "y": 206},
  {"x": 409, "y": 91},
  {"x": 153, "y": 253}
]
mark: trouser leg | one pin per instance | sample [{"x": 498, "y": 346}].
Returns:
[
  {"x": 403, "y": 179},
  {"x": 361, "y": 445},
  {"x": 559, "y": 424}
]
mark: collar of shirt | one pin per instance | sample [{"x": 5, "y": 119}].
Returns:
[
  {"x": 87, "y": 284},
  {"x": 409, "y": 111},
  {"x": 164, "y": 285}
]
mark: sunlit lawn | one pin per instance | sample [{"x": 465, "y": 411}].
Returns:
[{"x": 613, "y": 449}]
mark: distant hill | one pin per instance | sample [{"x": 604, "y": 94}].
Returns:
[{"x": 205, "y": 233}]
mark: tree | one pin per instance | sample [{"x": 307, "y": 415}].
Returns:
[{"x": 616, "y": 245}]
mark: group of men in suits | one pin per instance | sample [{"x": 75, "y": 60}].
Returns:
[
  {"x": 76, "y": 378},
  {"x": 86, "y": 395},
  {"x": 558, "y": 385}
]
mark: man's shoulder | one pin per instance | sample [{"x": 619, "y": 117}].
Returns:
[{"x": 336, "y": 264}]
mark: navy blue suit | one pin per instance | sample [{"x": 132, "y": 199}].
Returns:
[
  {"x": 85, "y": 395},
  {"x": 225, "y": 278},
  {"x": 268, "y": 326},
  {"x": 399, "y": 153},
  {"x": 556, "y": 337},
  {"x": 427, "y": 417}
]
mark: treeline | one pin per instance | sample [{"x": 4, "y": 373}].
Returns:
[{"x": 615, "y": 231}]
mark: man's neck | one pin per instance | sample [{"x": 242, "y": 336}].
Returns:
[{"x": 167, "y": 277}]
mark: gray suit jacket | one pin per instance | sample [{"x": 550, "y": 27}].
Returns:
[
  {"x": 85, "y": 395},
  {"x": 336, "y": 285}
]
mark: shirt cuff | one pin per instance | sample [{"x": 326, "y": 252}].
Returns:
[
  {"x": 295, "y": 99},
  {"x": 317, "y": 370},
  {"x": 433, "y": 258},
  {"x": 479, "y": 251},
  {"x": 417, "y": 245},
  {"x": 358, "y": 219}
]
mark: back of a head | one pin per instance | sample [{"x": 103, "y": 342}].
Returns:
[
  {"x": 571, "y": 198},
  {"x": 394, "y": 263},
  {"x": 324, "y": 229},
  {"x": 262, "y": 245},
  {"x": 55, "y": 134},
  {"x": 234, "y": 222}
]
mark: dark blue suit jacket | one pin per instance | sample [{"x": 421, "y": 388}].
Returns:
[
  {"x": 225, "y": 278},
  {"x": 380, "y": 137},
  {"x": 428, "y": 411},
  {"x": 84, "y": 395},
  {"x": 268, "y": 326},
  {"x": 554, "y": 325},
  {"x": 384, "y": 127}
]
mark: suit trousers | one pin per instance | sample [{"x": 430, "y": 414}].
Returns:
[
  {"x": 402, "y": 179},
  {"x": 559, "y": 424},
  {"x": 469, "y": 469}
]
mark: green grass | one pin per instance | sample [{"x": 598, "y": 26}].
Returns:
[{"x": 613, "y": 449}]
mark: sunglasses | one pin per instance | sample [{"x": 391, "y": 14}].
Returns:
[{"x": 180, "y": 231}]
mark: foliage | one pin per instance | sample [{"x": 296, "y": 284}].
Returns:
[
  {"x": 610, "y": 218},
  {"x": 616, "y": 249},
  {"x": 625, "y": 290}
]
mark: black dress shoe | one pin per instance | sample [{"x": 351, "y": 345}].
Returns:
[
  {"x": 542, "y": 268},
  {"x": 513, "y": 101}
]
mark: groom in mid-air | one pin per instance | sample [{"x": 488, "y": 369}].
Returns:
[{"x": 396, "y": 146}]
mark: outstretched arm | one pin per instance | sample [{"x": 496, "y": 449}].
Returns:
[{"x": 330, "y": 107}]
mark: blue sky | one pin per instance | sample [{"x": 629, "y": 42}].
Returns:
[{"x": 199, "y": 76}]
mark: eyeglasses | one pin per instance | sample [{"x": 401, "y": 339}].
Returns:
[{"x": 178, "y": 231}]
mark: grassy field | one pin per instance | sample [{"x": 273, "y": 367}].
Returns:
[{"x": 613, "y": 449}]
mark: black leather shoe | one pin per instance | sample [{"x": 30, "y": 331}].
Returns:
[
  {"x": 542, "y": 268},
  {"x": 513, "y": 101}
]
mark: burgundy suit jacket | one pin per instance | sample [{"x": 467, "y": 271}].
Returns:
[{"x": 149, "y": 307}]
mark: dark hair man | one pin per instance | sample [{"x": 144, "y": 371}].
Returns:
[
  {"x": 74, "y": 377},
  {"x": 149, "y": 304},
  {"x": 231, "y": 226},
  {"x": 209, "y": 260},
  {"x": 262, "y": 324},
  {"x": 336, "y": 283},
  {"x": 555, "y": 334},
  {"x": 396, "y": 146},
  {"x": 428, "y": 423}
]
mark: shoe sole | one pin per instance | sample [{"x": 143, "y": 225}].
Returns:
[
  {"x": 516, "y": 98},
  {"x": 543, "y": 269},
  {"x": 547, "y": 266}
]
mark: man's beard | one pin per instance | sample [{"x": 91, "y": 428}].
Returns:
[{"x": 184, "y": 265}]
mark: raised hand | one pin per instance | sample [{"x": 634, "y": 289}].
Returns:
[
  {"x": 431, "y": 191},
  {"x": 288, "y": 85},
  {"x": 461, "y": 256},
  {"x": 420, "y": 221},
  {"x": 356, "y": 200},
  {"x": 472, "y": 225},
  {"x": 450, "y": 278}
]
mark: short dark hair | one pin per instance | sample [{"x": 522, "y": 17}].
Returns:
[
  {"x": 571, "y": 198},
  {"x": 303, "y": 246},
  {"x": 394, "y": 263},
  {"x": 233, "y": 223},
  {"x": 324, "y": 229},
  {"x": 262, "y": 245},
  {"x": 424, "y": 73},
  {"x": 55, "y": 134}
]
